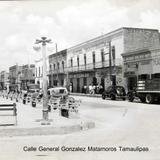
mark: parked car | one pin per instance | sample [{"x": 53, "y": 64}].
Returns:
[
  {"x": 114, "y": 92},
  {"x": 57, "y": 95}
]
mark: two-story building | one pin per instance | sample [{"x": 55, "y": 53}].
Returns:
[
  {"x": 27, "y": 75},
  {"x": 57, "y": 69},
  {"x": 4, "y": 80},
  {"x": 15, "y": 76},
  {"x": 89, "y": 62},
  {"x": 141, "y": 55}
]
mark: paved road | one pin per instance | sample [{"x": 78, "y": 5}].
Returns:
[{"x": 118, "y": 123}]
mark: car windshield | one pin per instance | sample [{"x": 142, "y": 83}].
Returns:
[
  {"x": 120, "y": 88},
  {"x": 58, "y": 91}
]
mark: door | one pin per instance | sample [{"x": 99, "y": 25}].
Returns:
[
  {"x": 78, "y": 85},
  {"x": 132, "y": 83}
]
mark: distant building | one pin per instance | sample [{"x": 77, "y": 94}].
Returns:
[
  {"x": 57, "y": 69},
  {"x": 4, "y": 80},
  {"x": 14, "y": 77},
  {"x": 39, "y": 72},
  {"x": 27, "y": 75}
]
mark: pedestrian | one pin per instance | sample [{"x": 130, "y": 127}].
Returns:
[
  {"x": 90, "y": 89},
  {"x": 93, "y": 89},
  {"x": 70, "y": 87}
]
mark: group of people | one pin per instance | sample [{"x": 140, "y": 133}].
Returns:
[{"x": 93, "y": 89}]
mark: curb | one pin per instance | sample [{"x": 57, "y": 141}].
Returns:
[
  {"x": 86, "y": 95},
  {"x": 9, "y": 132}
]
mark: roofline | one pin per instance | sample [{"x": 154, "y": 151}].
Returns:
[
  {"x": 94, "y": 39},
  {"x": 108, "y": 34},
  {"x": 140, "y": 51},
  {"x": 57, "y": 53}
]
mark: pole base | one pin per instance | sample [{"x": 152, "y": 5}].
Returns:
[{"x": 44, "y": 120}]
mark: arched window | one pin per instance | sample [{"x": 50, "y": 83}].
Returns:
[
  {"x": 58, "y": 65},
  {"x": 85, "y": 61},
  {"x": 94, "y": 57},
  {"x": 71, "y": 62},
  {"x": 102, "y": 55},
  {"x": 63, "y": 65},
  {"x": 78, "y": 61}
]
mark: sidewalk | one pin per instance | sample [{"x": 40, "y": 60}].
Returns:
[
  {"x": 28, "y": 122},
  {"x": 86, "y": 95}
]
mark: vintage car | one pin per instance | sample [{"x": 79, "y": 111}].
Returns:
[
  {"x": 57, "y": 96},
  {"x": 114, "y": 92}
]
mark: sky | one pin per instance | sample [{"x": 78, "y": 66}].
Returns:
[{"x": 66, "y": 23}]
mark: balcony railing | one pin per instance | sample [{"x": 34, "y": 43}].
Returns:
[
  {"x": 92, "y": 66},
  {"x": 87, "y": 67}
]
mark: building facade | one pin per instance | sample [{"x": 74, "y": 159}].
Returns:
[
  {"x": 57, "y": 69},
  {"x": 27, "y": 75},
  {"x": 14, "y": 77},
  {"x": 4, "y": 80},
  {"x": 89, "y": 62},
  {"x": 141, "y": 65},
  {"x": 39, "y": 71},
  {"x": 141, "y": 57}
]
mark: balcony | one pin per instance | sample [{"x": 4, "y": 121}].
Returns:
[
  {"x": 57, "y": 71},
  {"x": 92, "y": 66},
  {"x": 87, "y": 67}
]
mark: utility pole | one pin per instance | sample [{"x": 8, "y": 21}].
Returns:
[
  {"x": 110, "y": 61},
  {"x": 44, "y": 41},
  {"x": 57, "y": 65}
]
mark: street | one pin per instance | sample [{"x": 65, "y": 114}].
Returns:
[{"x": 117, "y": 123}]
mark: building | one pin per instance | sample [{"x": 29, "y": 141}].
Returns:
[
  {"x": 39, "y": 71},
  {"x": 27, "y": 75},
  {"x": 141, "y": 61},
  {"x": 57, "y": 69},
  {"x": 14, "y": 77},
  {"x": 89, "y": 62},
  {"x": 4, "y": 80},
  {"x": 141, "y": 65}
]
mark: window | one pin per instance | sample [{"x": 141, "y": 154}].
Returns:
[
  {"x": 50, "y": 66},
  {"x": 36, "y": 72},
  {"x": 93, "y": 56},
  {"x": 39, "y": 71},
  {"x": 102, "y": 55},
  {"x": 84, "y": 81},
  {"x": 113, "y": 52},
  {"x": 78, "y": 61},
  {"x": 58, "y": 65},
  {"x": 71, "y": 62},
  {"x": 85, "y": 62},
  {"x": 63, "y": 65},
  {"x": 54, "y": 66}
]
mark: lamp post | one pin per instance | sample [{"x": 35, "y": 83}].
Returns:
[{"x": 44, "y": 41}]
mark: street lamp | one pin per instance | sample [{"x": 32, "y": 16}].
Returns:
[{"x": 44, "y": 41}]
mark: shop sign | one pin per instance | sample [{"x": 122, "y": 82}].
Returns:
[{"x": 145, "y": 62}]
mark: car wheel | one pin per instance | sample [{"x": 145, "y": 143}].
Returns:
[
  {"x": 103, "y": 96},
  {"x": 113, "y": 97},
  {"x": 143, "y": 99},
  {"x": 130, "y": 97},
  {"x": 123, "y": 99},
  {"x": 33, "y": 104},
  {"x": 149, "y": 98}
]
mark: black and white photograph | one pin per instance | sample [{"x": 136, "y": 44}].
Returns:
[{"x": 80, "y": 80}]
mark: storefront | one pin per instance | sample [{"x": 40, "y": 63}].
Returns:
[{"x": 141, "y": 65}]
